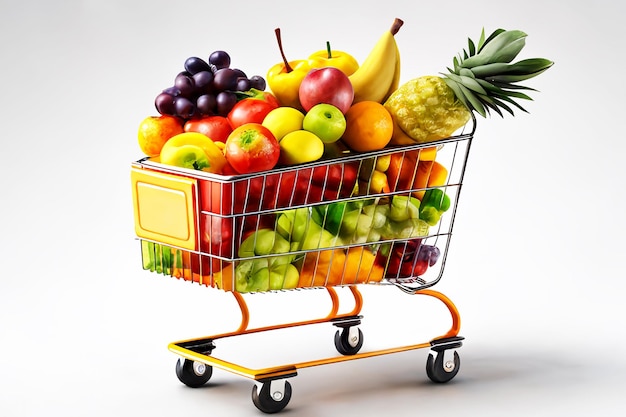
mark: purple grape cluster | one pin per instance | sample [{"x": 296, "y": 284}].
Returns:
[
  {"x": 206, "y": 88},
  {"x": 428, "y": 253}
]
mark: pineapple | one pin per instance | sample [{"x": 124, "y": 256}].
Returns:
[{"x": 482, "y": 80}]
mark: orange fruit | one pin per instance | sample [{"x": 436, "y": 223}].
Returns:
[
  {"x": 154, "y": 131},
  {"x": 369, "y": 127}
]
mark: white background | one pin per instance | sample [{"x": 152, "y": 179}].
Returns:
[{"x": 535, "y": 266}]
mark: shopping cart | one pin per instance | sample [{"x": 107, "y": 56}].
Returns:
[{"x": 342, "y": 228}]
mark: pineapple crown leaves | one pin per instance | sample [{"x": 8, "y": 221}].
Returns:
[{"x": 484, "y": 78}]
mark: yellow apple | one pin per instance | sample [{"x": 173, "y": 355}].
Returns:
[{"x": 283, "y": 120}]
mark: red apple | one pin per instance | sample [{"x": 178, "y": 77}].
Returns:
[
  {"x": 215, "y": 127},
  {"x": 326, "y": 85},
  {"x": 249, "y": 110}
]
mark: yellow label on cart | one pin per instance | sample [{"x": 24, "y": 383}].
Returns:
[{"x": 164, "y": 207}]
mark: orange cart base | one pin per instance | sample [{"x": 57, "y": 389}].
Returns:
[{"x": 272, "y": 391}]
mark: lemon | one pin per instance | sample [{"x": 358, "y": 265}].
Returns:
[
  {"x": 300, "y": 146},
  {"x": 283, "y": 120}
]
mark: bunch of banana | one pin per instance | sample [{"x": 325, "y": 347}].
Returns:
[{"x": 379, "y": 75}]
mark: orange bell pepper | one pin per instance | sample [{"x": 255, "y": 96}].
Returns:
[
  {"x": 322, "y": 268},
  {"x": 360, "y": 267},
  {"x": 407, "y": 171},
  {"x": 400, "y": 171},
  {"x": 338, "y": 267},
  {"x": 438, "y": 175}
]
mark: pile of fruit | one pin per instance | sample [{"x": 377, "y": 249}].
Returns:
[
  {"x": 217, "y": 119},
  {"x": 327, "y": 101}
]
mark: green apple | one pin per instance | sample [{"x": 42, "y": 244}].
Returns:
[
  {"x": 245, "y": 271},
  {"x": 268, "y": 244},
  {"x": 263, "y": 242},
  {"x": 319, "y": 238},
  {"x": 292, "y": 224},
  {"x": 284, "y": 276},
  {"x": 283, "y": 120},
  {"x": 259, "y": 281},
  {"x": 281, "y": 246},
  {"x": 275, "y": 277},
  {"x": 326, "y": 121},
  {"x": 260, "y": 242},
  {"x": 258, "y": 275}
]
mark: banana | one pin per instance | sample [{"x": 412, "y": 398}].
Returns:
[
  {"x": 395, "y": 82},
  {"x": 375, "y": 77}
]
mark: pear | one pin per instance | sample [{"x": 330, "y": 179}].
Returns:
[{"x": 319, "y": 238}]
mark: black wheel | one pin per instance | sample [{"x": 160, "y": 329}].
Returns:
[
  {"x": 193, "y": 374},
  {"x": 271, "y": 400},
  {"x": 438, "y": 371},
  {"x": 348, "y": 342}
]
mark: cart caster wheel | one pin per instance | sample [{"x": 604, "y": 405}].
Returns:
[
  {"x": 349, "y": 340},
  {"x": 271, "y": 398},
  {"x": 440, "y": 372},
  {"x": 193, "y": 374}
]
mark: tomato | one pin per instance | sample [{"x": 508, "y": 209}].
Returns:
[
  {"x": 314, "y": 185},
  {"x": 401, "y": 261},
  {"x": 215, "y": 127},
  {"x": 336, "y": 180},
  {"x": 249, "y": 110},
  {"x": 267, "y": 96},
  {"x": 251, "y": 147}
]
